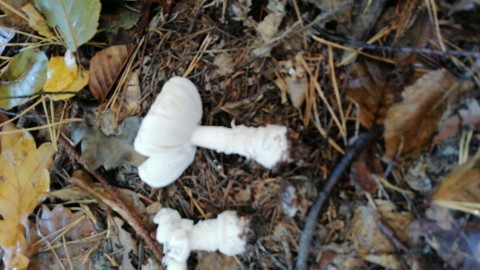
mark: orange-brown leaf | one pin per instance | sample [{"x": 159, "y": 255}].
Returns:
[
  {"x": 373, "y": 93},
  {"x": 410, "y": 124},
  {"x": 105, "y": 67},
  {"x": 462, "y": 184}
]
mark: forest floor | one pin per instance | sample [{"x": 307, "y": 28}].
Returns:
[{"x": 331, "y": 71}]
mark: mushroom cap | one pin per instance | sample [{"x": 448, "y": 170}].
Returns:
[
  {"x": 172, "y": 118},
  {"x": 167, "y": 165}
]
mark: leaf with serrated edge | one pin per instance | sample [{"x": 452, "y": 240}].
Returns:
[
  {"x": 24, "y": 76},
  {"x": 77, "y": 21},
  {"x": 36, "y": 21},
  {"x": 25, "y": 181}
]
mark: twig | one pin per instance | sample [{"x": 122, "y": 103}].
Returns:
[
  {"x": 390, "y": 49},
  {"x": 129, "y": 216},
  {"x": 132, "y": 217},
  {"x": 350, "y": 154},
  {"x": 390, "y": 234}
]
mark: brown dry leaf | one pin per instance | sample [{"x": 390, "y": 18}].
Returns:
[
  {"x": 131, "y": 99},
  {"x": 215, "y": 261},
  {"x": 373, "y": 93},
  {"x": 364, "y": 170},
  {"x": 295, "y": 82},
  {"x": 11, "y": 17},
  {"x": 25, "y": 181},
  {"x": 457, "y": 246},
  {"x": 3, "y": 118},
  {"x": 462, "y": 184},
  {"x": 60, "y": 217},
  {"x": 267, "y": 29},
  {"x": 410, "y": 124},
  {"x": 74, "y": 193},
  {"x": 225, "y": 64},
  {"x": 123, "y": 240},
  {"x": 448, "y": 129},
  {"x": 68, "y": 232},
  {"x": 132, "y": 94},
  {"x": 105, "y": 67},
  {"x": 369, "y": 242}
]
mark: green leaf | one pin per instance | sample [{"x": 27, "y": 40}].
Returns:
[
  {"x": 24, "y": 76},
  {"x": 76, "y": 20}
]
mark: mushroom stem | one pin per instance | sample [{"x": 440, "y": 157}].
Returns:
[
  {"x": 267, "y": 145},
  {"x": 224, "y": 233}
]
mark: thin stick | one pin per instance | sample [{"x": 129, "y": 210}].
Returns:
[
  {"x": 132, "y": 218},
  {"x": 365, "y": 46},
  {"x": 350, "y": 154}
]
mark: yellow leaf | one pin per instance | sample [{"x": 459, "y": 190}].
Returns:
[
  {"x": 62, "y": 71},
  {"x": 24, "y": 181},
  {"x": 75, "y": 86},
  {"x": 36, "y": 21}
]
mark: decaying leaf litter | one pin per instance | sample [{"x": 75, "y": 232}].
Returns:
[{"x": 328, "y": 70}]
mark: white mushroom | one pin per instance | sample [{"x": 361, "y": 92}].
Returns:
[
  {"x": 170, "y": 131},
  {"x": 180, "y": 237}
]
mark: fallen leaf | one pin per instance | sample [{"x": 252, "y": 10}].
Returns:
[
  {"x": 76, "y": 21},
  {"x": 224, "y": 63},
  {"x": 365, "y": 169},
  {"x": 5, "y": 37},
  {"x": 78, "y": 84},
  {"x": 267, "y": 29},
  {"x": 25, "y": 181},
  {"x": 75, "y": 194},
  {"x": 124, "y": 240},
  {"x": 369, "y": 242},
  {"x": 64, "y": 76},
  {"x": 36, "y": 21},
  {"x": 62, "y": 71},
  {"x": 461, "y": 185},
  {"x": 369, "y": 87},
  {"x": 215, "y": 261},
  {"x": 416, "y": 176},
  {"x": 3, "y": 118},
  {"x": 448, "y": 129},
  {"x": 411, "y": 124},
  {"x": 459, "y": 246},
  {"x": 240, "y": 11},
  {"x": 295, "y": 81},
  {"x": 12, "y": 18},
  {"x": 389, "y": 261},
  {"x": 132, "y": 95},
  {"x": 52, "y": 221},
  {"x": 115, "y": 17},
  {"x": 70, "y": 234},
  {"x": 105, "y": 67},
  {"x": 24, "y": 76},
  {"x": 112, "y": 151}
]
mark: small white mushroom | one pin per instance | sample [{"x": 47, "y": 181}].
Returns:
[
  {"x": 170, "y": 131},
  {"x": 180, "y": 237}
]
